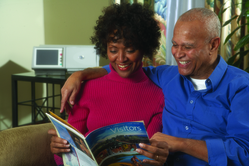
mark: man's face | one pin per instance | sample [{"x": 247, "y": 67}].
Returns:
[{"x": 191, "y": 51}]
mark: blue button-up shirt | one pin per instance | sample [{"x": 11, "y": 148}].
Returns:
[{"x": 218, "y": 115}]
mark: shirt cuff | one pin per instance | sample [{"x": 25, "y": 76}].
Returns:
[
  {"x": 216, "y": 152},
  {"x": 107, "y": 68}
]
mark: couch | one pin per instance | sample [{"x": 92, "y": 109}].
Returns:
[{"x": 26, "y": 146}]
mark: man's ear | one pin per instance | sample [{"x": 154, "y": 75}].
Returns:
[{"x": 214, "y": 44}]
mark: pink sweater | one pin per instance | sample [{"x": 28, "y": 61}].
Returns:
[{"x": 112, "y": 99}]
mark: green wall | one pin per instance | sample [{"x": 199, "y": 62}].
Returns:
[
  {"x": 28, "y": 23},
  {"x": 71, "y": 21}
]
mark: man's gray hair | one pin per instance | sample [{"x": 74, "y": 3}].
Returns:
[{"x": 208, "y": 17}]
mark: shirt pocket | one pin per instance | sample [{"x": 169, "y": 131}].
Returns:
[{"x": 216, "y": 117}]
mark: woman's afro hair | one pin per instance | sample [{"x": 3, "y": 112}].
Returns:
[{"x": 135, "y": 23}]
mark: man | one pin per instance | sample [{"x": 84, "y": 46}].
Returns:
[{"x": 206, "y": 114}]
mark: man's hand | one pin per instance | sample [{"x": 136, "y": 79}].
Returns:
[
  {"x": 158, "y": 151},
  {"x": 174, "y": 143},
  {"x": 71, "y": 87},
  {"x": 196, "y": 148},
  {"x": 69, "y": 90},
  {"x": 58, "y": 145}
]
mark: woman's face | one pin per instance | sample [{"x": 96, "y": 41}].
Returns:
[{"x": 124, "y": 60}]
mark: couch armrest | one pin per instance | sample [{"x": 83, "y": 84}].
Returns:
[{"x": 26, "y": 145}]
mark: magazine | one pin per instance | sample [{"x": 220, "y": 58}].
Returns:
[{"x": 113, "y": 145}]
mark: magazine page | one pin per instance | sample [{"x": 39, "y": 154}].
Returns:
[
  {"x": 115, "y": 145},
  {"x": 80, "y": 153}
]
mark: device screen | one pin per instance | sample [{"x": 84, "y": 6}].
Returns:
[{"x": 47, "y": 57}]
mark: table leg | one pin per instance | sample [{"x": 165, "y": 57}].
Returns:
[
  {"x": 33, "y": 101},
  {"x": 14, "y": 103}
]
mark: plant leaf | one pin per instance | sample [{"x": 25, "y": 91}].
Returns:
[
  {"x": 238, "y": 62},
  {"x": 244, "y": 53},
  {"x": 231, "y": 34},
  {"x": 247, "y": 69},
  {"x": 243, "y": 13},
  {"x": 243, "y": 41},
  {"x": 222, "y": 11},
  {"x": 229, "y": 21},
  {"x": 231, "y": 59}
]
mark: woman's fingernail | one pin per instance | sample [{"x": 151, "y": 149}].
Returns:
[
  {"x": 138, "y": 150},
  {"x": 145, "y": 161},
  {"x": 141, "y": 145}
]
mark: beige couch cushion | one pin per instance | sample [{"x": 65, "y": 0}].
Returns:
[{"x": 26, "y": 146}]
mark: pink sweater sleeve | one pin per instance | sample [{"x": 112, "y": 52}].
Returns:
[
  {"x": 155, "y": 124},
  {"x": 78, "y": 117}
]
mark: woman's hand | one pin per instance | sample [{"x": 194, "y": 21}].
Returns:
[
  {"x": 58, "y": 145},
  {"x": 158, "y": 151}
]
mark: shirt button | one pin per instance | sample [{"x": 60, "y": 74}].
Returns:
[
  {"x": 186, "y": 127},
  {"x": 191, "y": 101}
]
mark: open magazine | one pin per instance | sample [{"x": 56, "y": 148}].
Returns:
[{"x": 113, "y": 145}]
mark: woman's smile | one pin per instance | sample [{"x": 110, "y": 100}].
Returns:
[{"x": 124, "y": 67}]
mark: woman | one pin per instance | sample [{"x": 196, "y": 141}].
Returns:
[{"x": 124, "y": 33}]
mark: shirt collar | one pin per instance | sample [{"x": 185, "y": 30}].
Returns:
[
  {"x": 214, "y": 79},
  {"x": 218, "y": 73}
]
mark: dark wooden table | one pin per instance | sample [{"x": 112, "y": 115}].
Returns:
[{"x": 36, "y": 109}]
